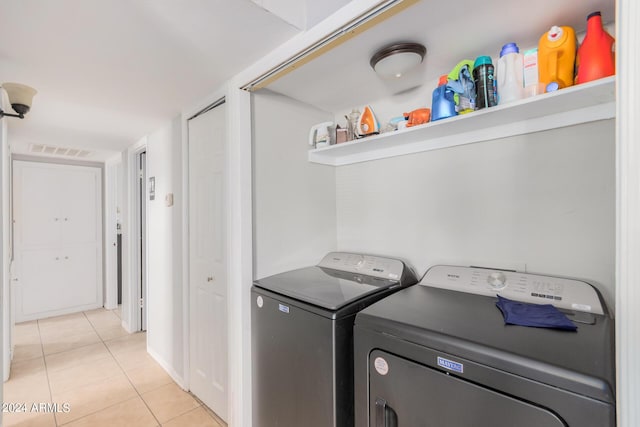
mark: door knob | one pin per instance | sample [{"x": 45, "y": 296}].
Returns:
[{"x": 210, "y": 279}]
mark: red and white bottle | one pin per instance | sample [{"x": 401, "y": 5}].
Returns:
[{"x": 596, "y": 57}]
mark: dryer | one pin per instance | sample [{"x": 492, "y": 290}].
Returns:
[{"x": 439, "y": 354}]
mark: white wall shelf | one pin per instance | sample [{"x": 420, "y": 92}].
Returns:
[{"x": 583, "y": 103}]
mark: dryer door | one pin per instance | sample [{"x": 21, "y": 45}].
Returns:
[{"x": 404, "y": 393}]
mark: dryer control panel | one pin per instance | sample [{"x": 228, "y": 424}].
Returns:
[
  {"x": 385, "y": 268},
  {"x": 563, "y": 293}
]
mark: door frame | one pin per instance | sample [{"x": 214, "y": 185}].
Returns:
[
  {"x": 219, "y": 102},
  {"x": 627, "y": 214},
  {"x": 238, "y": 156},
  {"x": 130, "y": 243},
  {"x": 102, "y": 242},
  {"x": 141, "y": 225},
  {"x": 110, "y": 186},
  {"x": 217, "y": 98},
  {"x": 6, "y": 252}
]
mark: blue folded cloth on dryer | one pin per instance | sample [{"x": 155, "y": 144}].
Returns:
[{"x": 535, "y": 315}]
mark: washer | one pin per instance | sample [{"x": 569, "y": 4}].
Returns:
[
  {"x": 302, "y": 337},
  {"x": 440, "y": 354}
]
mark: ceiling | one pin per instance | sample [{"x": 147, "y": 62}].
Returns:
[
  {"x": 342, "y": 78},
  {"x": 109, "y": 72}
]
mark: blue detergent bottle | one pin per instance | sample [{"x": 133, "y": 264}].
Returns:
[{"x": 443, "y": 104}]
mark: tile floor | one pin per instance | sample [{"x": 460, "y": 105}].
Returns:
[{"x": 105, "y": 375}]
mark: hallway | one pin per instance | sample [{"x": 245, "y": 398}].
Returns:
[{"x": 91, "y": 372}]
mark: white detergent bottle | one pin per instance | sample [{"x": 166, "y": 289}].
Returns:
[{"x": 510, "y": 74}]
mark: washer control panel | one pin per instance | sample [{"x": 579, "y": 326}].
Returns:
[
  {"x": 563, "y": 293},
  {"x": 386, "y": 268}
]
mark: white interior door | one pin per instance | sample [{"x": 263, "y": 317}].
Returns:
[
  {"x": 207, "y": 264},
  {"x": 58, "y": 238}
]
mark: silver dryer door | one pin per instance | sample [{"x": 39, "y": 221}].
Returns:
[{"x": 407, "y": 394}]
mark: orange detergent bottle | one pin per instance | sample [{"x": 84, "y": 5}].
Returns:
[
  {"x": 557, "y": 57},
  {"x": 596, "y": 58}
]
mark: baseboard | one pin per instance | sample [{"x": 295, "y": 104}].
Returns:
[
  {"x": 55, "y": 313},
  {"x": 167, "y": 367},
  {"x": 126, "y": 327}
]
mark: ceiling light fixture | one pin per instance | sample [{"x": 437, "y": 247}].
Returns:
[
  {"x": 395, "y": 60},
  {"x": 20, "y": 98}
]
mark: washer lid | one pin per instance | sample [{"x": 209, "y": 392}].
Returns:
[{"x": 325, "y": 287}]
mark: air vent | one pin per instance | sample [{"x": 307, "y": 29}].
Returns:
[{"x": 59, "y": 151}]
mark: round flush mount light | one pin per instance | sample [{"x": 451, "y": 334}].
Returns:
[{"x": 395, "y": 60}]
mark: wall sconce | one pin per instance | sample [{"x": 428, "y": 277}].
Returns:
[
  {"x": 20, "y": 98},
  {"x": 395, "y": 60}
]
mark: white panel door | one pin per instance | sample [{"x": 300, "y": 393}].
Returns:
[
  {"x": 80, "y": 208},
  {"x": 38, "y": 213},
  {"x": 207, "y": 265},
  {"x": 58, "y": 253}
]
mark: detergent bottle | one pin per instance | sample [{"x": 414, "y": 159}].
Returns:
[
  {"x": 510, "y": 74},
  {"x": 596, "y": 58},
  {"x": 484, "y": 79},
  {"x": 442, "y": 103},
  {"x": 557, "y": 57}
]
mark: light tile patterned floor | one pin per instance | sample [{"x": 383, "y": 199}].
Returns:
[{"x": 105, "y": 375}]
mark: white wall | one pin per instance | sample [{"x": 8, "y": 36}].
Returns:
[
  {"x": 628, "y": 213},
  {"x": 290, "y": 11},
  {"x": 165, "y": 304},
  {"x": 294, "y": 201},
  {"x": 319, "y": 10},
  {"x": 301, "y": 14},
  {"x": 5, "y": 300},
  {"x": 544, "y": 202}
]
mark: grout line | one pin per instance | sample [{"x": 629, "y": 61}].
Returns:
[
  {"x": 137, "y": 391},
  {"x": 114, "y": 359},
  {"x": 73, "y": 348},
  {"x": 127, "y": 376},
  {"x": 95, "y": 412},
  {"x": 104, "y": 342},
  {"x": 208, "y": 410},
  {"x": 215, "y": 416},
  {"x": 121, "y": 369},
  {"x": 99, "y": 337},
  {"x": 119, "y": 366},
  {"x": 46, "y": 371},
  {"x": 69, "y": 349},
  {"x": 185, "y": 413}
]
